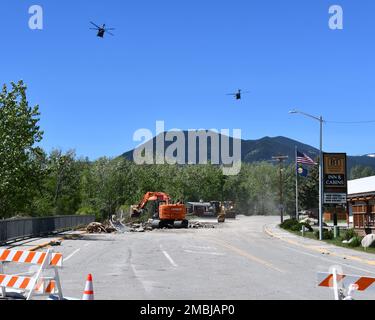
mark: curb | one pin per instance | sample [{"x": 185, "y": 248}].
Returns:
[
  {"x": 269, "y": 232},
  {"x": 319, "y": 250}
]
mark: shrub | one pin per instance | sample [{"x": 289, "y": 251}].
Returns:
[
  {"x": 307, "y": 226},
  {"x": 327, "y": 234},
  {"x": 294, "y": 225},
  {"x": 356, "y": 242},
  {"x": 289, "y": 224},
  {"x": 350, "y": 234},
  {"x": 86, "y": 211}
]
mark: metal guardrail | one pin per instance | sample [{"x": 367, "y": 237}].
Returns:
[{"x": 11, "y": 230}]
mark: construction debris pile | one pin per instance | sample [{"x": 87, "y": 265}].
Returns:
[
  {"x": 96, "y": 227},
  {"x": 139, "y": 227},
  {"x": 55, "y": 243},
  {"x": 201, "y": 225}
]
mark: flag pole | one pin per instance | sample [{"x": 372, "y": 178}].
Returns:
[{"x": 296, "y": 168}]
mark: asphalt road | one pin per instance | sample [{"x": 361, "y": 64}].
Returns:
[{"x": 237, "y": 260}]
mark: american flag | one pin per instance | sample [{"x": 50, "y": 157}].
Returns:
[{"x": 304, "y": 159}]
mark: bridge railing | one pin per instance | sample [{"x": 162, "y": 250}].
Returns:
[{"x": 17, "y": 229}]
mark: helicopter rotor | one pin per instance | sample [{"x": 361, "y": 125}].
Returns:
[
  {"x": 95, "y": 25},
  {"x": 102, "y": 29},
  {"x": 238, "y": 92}
]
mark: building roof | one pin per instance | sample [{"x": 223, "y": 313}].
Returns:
[{"x": 361, "y": 186}]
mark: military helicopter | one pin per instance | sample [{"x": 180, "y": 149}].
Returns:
[
  {"x": 238, "y": 95},
  {"x": 102, "y": 30}
]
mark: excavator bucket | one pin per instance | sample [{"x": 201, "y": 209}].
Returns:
[{"x": 135, "y": 212}]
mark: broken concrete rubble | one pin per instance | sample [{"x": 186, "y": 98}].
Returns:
[
  {"x": 139, "y": 227},
  {"x": 97, "y": 227},
  {"x": 201, "y": 225},
  {"x": 55, "y": 243}
]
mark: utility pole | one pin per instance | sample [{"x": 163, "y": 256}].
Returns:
[
  {"x": 281, "y": 160},
  {"x": 297, "y": 190},
  {"x": 321, "y": 187}
]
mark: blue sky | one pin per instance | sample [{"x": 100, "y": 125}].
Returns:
[{"x": 176, "y": 60}]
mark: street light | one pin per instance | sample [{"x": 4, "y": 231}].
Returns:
[
  {"x": 321, "y": 121},
  {"x": 281, "y": 159}
]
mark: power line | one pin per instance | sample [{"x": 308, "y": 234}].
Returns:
[
  {"x": 328, "y": 121},
  {"x": 350, "y": 122}
]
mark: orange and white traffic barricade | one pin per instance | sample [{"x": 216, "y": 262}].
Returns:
[
  {"x": 340, "y": 283},
  {"x": 35, "y": 283}
]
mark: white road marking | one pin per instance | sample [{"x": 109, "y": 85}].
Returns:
[
  {"x": 147, "y": 285},
  {"x": 87, "y": 244},
  {"x": 71, "y": 255},
  {"x": 199, "y": 247},
  {"x": 174, "y": 264},
  {"x": 205, "y": 252}
]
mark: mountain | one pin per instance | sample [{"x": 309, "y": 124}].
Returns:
[{"x": 264, "y": 149}]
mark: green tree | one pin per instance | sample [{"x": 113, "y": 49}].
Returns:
[
  {"x": 108, "y": 177},
  {"x": 60, "y": 188},
  {"x": 65, "y": 176},
  {"x": 255, "y": 189},
  {"x": 19, "y": 133},
  {"x": 290, "y": 189},
  {"x": 359, "y": 171}
]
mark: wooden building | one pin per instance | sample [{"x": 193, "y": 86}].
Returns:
[
  {"x": 361, "y": 204},
  {"x": 340, "y": 211}
]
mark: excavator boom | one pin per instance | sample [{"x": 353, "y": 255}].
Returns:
[
  {"x": 154, "y": 196},
  {"x": 136, "y": 210}
]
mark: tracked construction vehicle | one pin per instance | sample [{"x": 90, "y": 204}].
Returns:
[
  {"x": 230, "y": 210},
  {"x": 164, "y": 213}
]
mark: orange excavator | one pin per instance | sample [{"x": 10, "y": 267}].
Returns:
[{"x": 164, "y": 213}]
